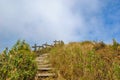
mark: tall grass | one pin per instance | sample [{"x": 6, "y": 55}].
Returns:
[{"x": 82, "y": 61}]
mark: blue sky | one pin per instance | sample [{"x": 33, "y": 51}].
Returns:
[{"x": 40, "y": 21}]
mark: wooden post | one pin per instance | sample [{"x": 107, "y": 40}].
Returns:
[
  {"x": 46, "y": 44},
  {"x": 35, "y": 47},
  {"x": 55, "y": 42}
]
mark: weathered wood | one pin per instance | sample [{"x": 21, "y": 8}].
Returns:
[
  {"x": 46, "y": 74},
  {"x": 35, "y": 47},
  {"x": 45, "y": 69},
  {"x": 40, "y": 47},
  {"x": 42, "y": 61},
  {"x": 57, "y": 42},
  {"x": 45, "y": 65},
  {"x": 46, "y": 45},
  {"x": 39, "y": 58}
]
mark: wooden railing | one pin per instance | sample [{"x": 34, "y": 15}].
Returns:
[{"x": 46, "y": 45}]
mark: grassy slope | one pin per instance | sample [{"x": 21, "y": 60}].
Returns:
[{"x": 86, "y": 61}]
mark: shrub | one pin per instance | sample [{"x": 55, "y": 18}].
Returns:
[
  {"x": 99, "y": 45},
  {"x": 115, "y": 44},
  {"x": 18, "y": 63}
]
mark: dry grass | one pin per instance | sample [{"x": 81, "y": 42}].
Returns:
[{"x": 86, "y": 61}]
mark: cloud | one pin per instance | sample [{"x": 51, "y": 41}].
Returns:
[{"x": 47, "y": 20}]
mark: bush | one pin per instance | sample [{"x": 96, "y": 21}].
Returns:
[
  {"x": 18, "y": 63},
  {"x": 99, "y": 45},
  {"x": 115, "y": 44}
]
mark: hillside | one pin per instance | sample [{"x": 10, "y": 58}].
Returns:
[{"x": 87, "y": 61}]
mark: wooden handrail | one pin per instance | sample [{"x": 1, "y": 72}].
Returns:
[{"x": 46, "y": 45}]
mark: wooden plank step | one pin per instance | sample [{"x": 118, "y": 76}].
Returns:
[
  {"x": 44, "y": 65},
  {"x": 45, "y": 69},
  {"x": 46, "y": 74},
  {"x": 43, "y": 62},
  {"x": 44, "y": 55},
  {"x": 41, "y": 58}
]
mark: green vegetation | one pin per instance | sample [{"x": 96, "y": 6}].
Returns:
[
  {"x": 18, "y": 63},
  {"x": 74, "y": 61},
  {"x": 86, "y": 61},
  {"x": 115, "y": 44}
]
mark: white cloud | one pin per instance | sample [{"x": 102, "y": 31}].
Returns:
[{"x": 46, "y": 20}]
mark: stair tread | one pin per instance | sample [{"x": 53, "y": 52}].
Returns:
[
  {"x": 46, "y": 74},
  {"x": 41, "y": 60},
  {"x": 44, "y": 55},
  {"x": 45, "y": 68},
  {"x": 38, "y": 58},
  {"x": 44, "y": 65}
]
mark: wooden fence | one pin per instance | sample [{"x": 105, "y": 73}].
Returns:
[{"x": 46, "y": 45}]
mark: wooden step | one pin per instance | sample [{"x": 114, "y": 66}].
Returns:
[
  {"x": 41, "y": 57},
  {"x": 45, "y": 69},
  {"x": 44, "y": 55},
  {"x": 40, "y": 60},
  {"x": 43, "y": 62},
  {"x": 46, "y": 74},
  {"x": 44, "y": 65}
]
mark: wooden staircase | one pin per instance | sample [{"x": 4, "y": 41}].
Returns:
[{"x": 45, "y": 69}]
